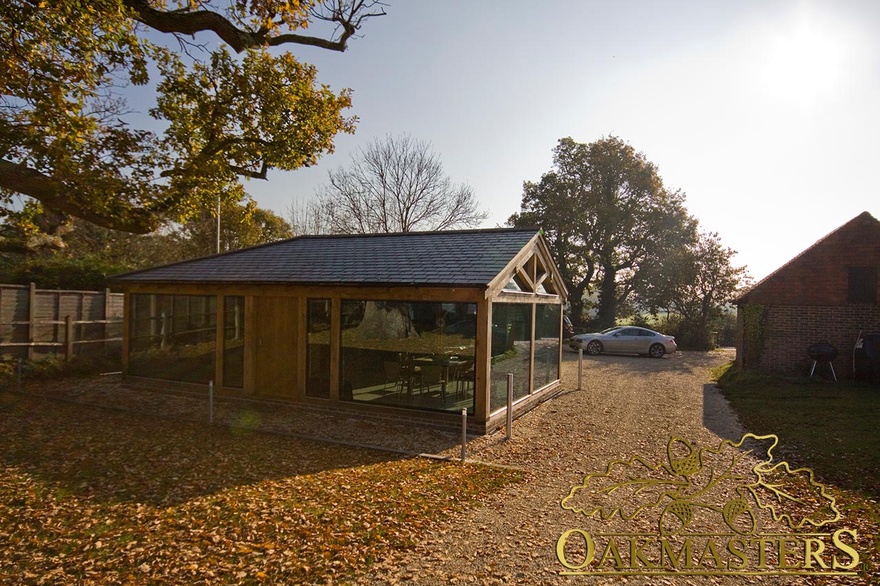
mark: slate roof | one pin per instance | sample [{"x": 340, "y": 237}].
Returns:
[{"x": 452, "y": 258}]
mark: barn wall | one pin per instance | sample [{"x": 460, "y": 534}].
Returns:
[
  {"x": 790, "y": 329},
  {"x": 827, "y": 293}
]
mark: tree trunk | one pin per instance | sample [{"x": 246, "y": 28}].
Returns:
[
  {"x": 576, "y": 289},
  {"x": 386, "y": 321},
  {"x": 576, "y": 302},
  {"x": 607, "y": 299}
]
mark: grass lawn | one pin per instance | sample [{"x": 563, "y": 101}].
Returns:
[
  {"x": 833, "y": 428},
  {"x": 98, "y": 497}
]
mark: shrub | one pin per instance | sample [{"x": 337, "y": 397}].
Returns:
[
  {"x": 53, "y": 367},
  {"x": 58, "y": 272},
  {"x": 727, "y": 329},
  {"x": 7, "y": 374},
  {"x": 688, "y": 335}
]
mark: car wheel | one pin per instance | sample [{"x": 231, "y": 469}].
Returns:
[
  {"x": 656, "y": 351},
  {"x": 594, "y": 348}
]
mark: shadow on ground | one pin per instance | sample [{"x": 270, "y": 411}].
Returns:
[
  {"x": 125, "y": 457},
  {"x": 718, "y": 416}
]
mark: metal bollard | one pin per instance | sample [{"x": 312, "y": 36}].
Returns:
[
  {"x": 211, "y": 402},
  {"x": 463, "y": 434},
  {"x": 509, "y": 405},
  {"x": 580, "y": 369}
]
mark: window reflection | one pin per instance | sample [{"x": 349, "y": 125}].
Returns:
[
  {"x": 318, "y": 349},
  {"x": 547, "y": 335},
  {"x": 511, "y": 351},
  {"x": 233, "y": 342},
  {"x": 408, "y": 354},
  {"x": 173, "y": 337}
]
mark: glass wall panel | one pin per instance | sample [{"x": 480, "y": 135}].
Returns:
[
  {"x": 411, "y": 354},
  {"x": 511, "y": 351},
  {"x": 233, "y": 342},
  {"x": 547, "y": 335},
  {"x": 318, "y": 349},
  {"x": 173, "y": 337}
]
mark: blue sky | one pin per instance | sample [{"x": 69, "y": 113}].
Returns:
[{"x": 765, "y": 113}]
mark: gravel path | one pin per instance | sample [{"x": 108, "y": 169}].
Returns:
[{"x": 628, "y": 406}]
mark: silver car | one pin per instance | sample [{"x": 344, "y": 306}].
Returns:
[{"x": 625, "y": 340}]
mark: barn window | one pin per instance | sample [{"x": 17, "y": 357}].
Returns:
[
  {"x": 511, "y": 351},
  {"x": 862, "y": 285}
]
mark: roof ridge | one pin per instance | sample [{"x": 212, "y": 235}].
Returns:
[{"x": 418, "y": 233}]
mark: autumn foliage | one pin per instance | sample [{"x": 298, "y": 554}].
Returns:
[
  {"x": 76, "y": 135},
  {"x": 90, "y": 496}
]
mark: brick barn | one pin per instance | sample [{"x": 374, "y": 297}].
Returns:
[{"x": 828, "y": 293}]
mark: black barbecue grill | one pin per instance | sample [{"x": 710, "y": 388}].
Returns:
[{"x": 822, "y": 352}]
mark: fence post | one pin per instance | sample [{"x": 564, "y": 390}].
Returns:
[
  {"x": 68, "y": 338},
  {"x": 509, "y": 405},
  {"x": 18, "y": 374},
  {"x": 32, "y": 316},
  {"x": 106, "y": 328}
]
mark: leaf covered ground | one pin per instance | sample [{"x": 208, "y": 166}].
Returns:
[
  {"x": 99, "y": 497},
  {"x": 828, "y": 427}
]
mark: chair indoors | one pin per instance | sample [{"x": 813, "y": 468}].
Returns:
[
  {"x": 432, "y": 376},
  {"x": 393, "y": 376},
  {"x": 465, "y": 376},
  {"x": 410, "y": 373}
]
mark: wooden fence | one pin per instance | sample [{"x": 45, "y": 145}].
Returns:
[{"x": 35, "y": 323}]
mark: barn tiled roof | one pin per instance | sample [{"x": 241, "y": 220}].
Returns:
[
  {"x": 453, "y": 258},
  {"x": 862, "y": 224}
]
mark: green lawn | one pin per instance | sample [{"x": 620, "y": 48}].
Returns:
[
  {"x": 833, "y": 428},
  {"x": 98, "y": 497}
]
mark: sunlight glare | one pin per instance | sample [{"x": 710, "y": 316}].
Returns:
[{"x": 803, "y": 65}]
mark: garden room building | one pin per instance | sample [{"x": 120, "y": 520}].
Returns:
[{"x": 415, "y": 326}]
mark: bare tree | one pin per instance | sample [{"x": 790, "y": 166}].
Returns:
[
  {"x": 305, "y": 217},
  {"x": 396, "y": 185}
]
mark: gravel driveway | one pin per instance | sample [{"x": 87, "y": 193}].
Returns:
[{"x": 628, "y": 406}]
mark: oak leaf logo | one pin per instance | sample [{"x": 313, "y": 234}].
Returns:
[{"x": 735, "y": 480}]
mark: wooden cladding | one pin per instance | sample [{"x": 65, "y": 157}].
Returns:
[{"x": 275, "y": 346}]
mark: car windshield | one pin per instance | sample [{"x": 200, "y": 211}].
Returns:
[{"x": 609, "y": 330}]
